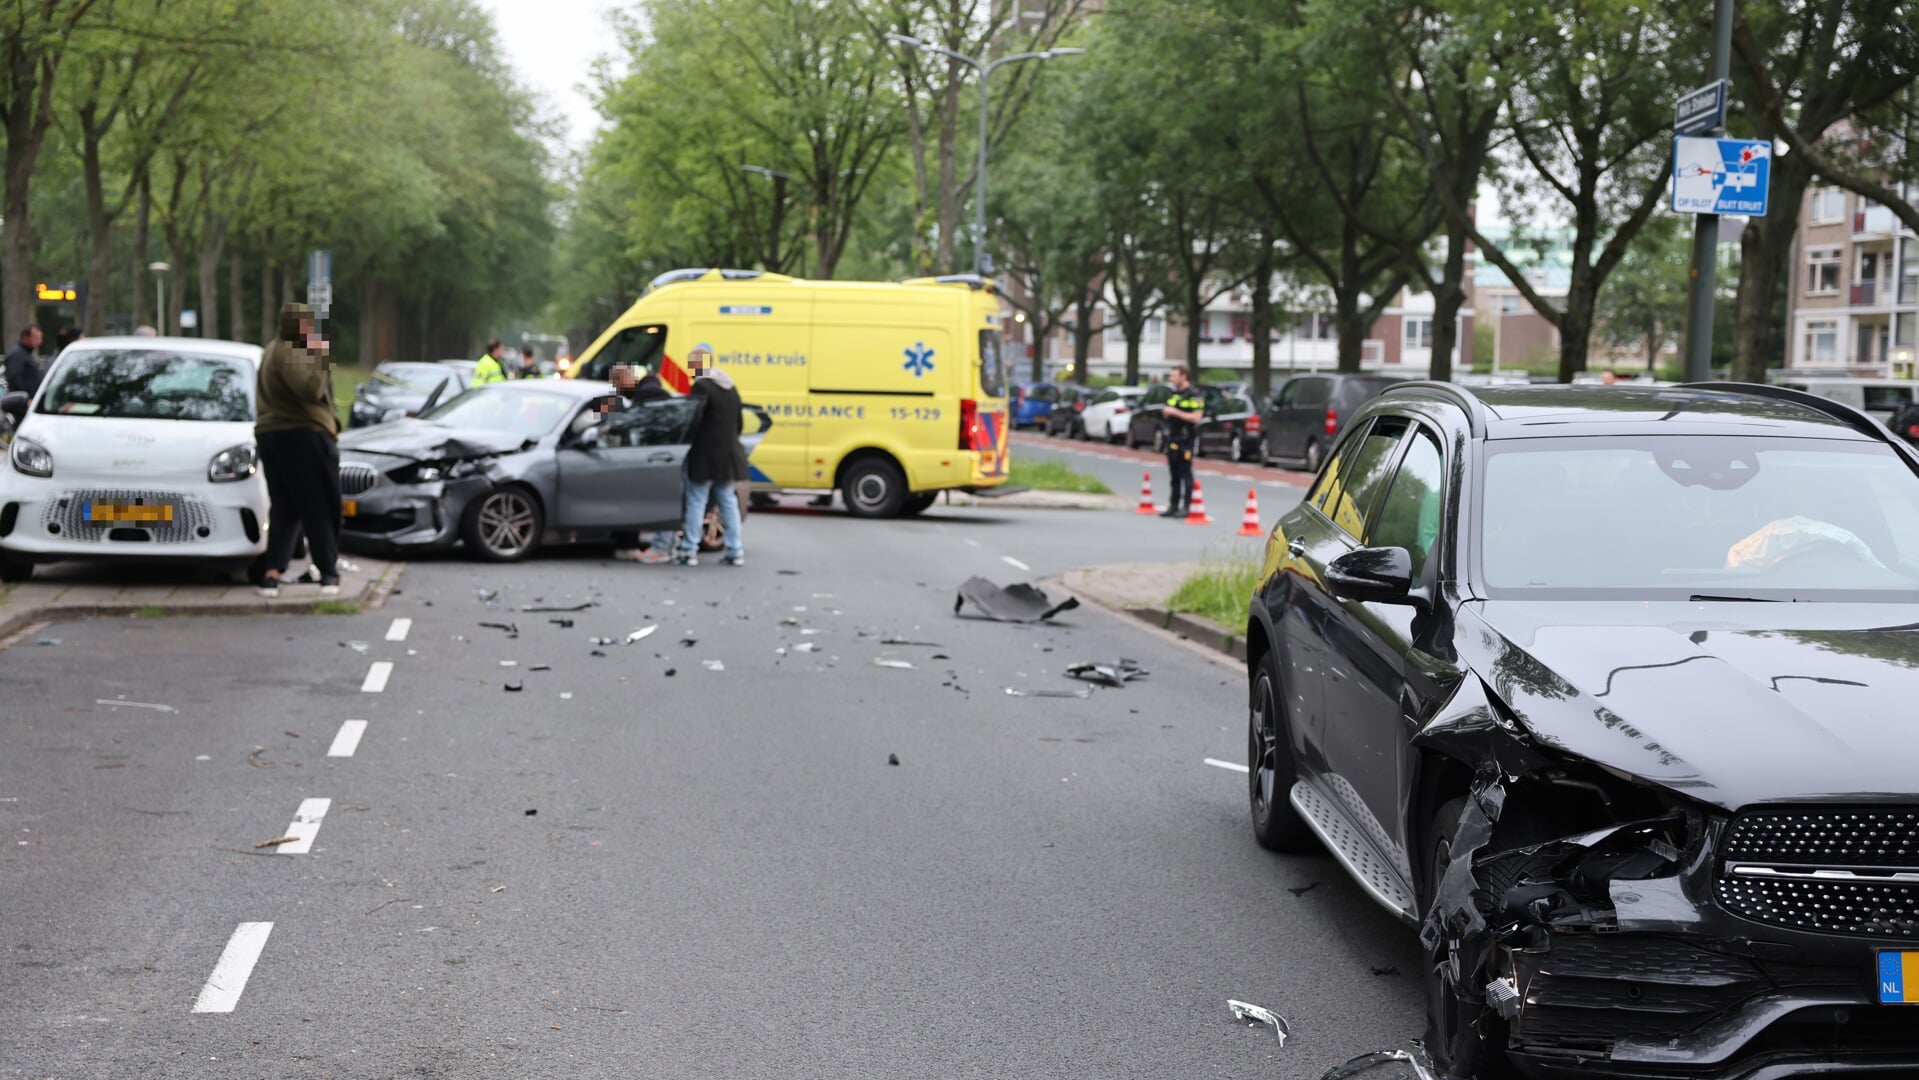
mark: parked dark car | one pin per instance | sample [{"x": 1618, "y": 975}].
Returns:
[
  {"x": 1905, "y": 424},
  {"x": 1610, "y": 691},
  {"x": 1221, "y": 435},
  {"x": 1067, "y": 418},
  {"x": 1308, "y": 412},
  {"x": 398, "y": 389},
  {"x": 1032, "y": 402}
]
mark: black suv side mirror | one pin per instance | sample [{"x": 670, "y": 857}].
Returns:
[{"x": 1381, "y": 575}]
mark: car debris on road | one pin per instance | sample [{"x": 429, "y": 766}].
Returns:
[{"x": 1019, "y": 603}]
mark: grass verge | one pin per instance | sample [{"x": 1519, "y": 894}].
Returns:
[
  {"x": 336, "y": 607},
  {"x": 1053, "y": 476},
  {"x": 1218, "y": 591},
  {"x": 150, "y": 611}
]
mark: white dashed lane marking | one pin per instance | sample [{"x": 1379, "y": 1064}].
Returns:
[
  {"x": 376, "y": 677},
  {"x": 230, "y": 974},
  {"x": 306, "y": 826},
  {"x": 348, "y": 740},
  {"x": 1231, "y": 767},
  {"x": 399, "y": 630},
  {"x": 1014, "y": 563}
]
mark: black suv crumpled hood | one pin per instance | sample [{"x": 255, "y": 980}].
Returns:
[
  {"x": 1727, "y": 703},
  {"x": 420, "y": 440}
]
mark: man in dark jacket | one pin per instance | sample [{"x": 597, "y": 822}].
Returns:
[
  {"x": 715, "y": 461},
  {"x": 23, "y": 370},
  {"x": 298, "y": 431}
]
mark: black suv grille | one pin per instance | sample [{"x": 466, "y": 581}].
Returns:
[{"x": 1840, "y": 871}]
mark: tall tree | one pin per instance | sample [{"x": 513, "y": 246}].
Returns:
[
  {"x": 935, "y": 87},
  {"x": 1643, "y": 304},
  {"x": 1811, "y": 73},
  {"x": 1587, "y": 95},
  {"x": 35, "y": 36}
]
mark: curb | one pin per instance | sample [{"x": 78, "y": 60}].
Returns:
[
  {"x": 1191, "y": 627},
  {"x": 371, "y": 597},
  {"x": 1202, "y": 632}
]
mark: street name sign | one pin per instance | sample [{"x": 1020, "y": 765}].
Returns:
[
  {"x": 1701, "y": 111},
  {"x": 1721, "y": 176}
]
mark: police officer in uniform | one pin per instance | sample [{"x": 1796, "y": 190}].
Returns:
[
  {"x": 1179, "y": 418},
  {"x": 491, "y": 368}
]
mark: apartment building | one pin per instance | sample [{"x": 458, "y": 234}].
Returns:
[{"x": 1854, "y": 291}]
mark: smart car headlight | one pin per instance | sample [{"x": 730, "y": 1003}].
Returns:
[
  {"x": 233, "y": 463},
  {"x": 30, "y": 457}
]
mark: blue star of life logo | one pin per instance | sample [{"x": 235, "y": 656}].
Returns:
[{"x": 919, "y": 359}]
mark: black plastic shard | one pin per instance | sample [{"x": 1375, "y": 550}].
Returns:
[
  {"x": 1020, "y": 603},
  {"x": 513, "y": 688},
  {"x": 1117, "y": 674},
  {"x": 574, "y": 607}
]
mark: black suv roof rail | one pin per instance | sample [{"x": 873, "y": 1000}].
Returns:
[
  {"x": 1838, "y": 410},
  {"x": 1449, "y": 393}
]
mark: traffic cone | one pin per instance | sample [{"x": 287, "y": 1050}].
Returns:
[
  {"x": 1249, "y": 525},
  {"x": 1197, "y": 515},
  {"x": 1146, "y": 494}
]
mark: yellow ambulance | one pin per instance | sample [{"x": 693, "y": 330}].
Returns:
[{"x": 889, "y": 392}]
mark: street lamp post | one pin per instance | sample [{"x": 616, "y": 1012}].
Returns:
[
  {"x": 985, "y": 68},
  {"x": 160, "y": 270}
]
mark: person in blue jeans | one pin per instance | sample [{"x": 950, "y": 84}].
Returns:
[{"x": 715, "y": 459}]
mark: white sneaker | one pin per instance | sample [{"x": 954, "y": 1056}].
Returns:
[
  {"x": 271, "y": 592},
  {"x": 330, "y": 590}
]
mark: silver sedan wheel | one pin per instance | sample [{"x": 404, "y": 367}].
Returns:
[{"x": 508, "y": 523}]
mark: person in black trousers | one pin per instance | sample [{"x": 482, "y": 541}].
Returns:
[{"x": 298, "y": 430}]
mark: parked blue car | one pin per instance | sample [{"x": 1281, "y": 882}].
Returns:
[{"x": 1033, "y": 403}]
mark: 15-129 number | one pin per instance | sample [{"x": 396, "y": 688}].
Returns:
[{"x": 914, "y": 414}]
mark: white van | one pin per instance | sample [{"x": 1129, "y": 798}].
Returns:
[{"x": 1879, "y": 397}]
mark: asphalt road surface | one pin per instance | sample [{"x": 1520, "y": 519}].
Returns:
[{"x": 687, "y": 857}]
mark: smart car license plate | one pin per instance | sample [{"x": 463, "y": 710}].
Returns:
[
  {"x": 1898, "y": 977},
  {"x": 349, "y": 507},
  {"x": 110, "y": 513}
]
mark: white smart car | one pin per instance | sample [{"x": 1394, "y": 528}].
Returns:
[{"x": 135, "y": 448}]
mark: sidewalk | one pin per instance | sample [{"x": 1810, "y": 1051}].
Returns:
[
  {"x": 1141, "y": 590},
  {"x": 78, "y": 590}
]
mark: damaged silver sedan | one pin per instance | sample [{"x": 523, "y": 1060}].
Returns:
[
  {"x": 1610, "y": 694},
  {"x": 505, "y": 468}
]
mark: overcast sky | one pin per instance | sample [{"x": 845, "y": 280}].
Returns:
[{"x": 552, "y": 44}]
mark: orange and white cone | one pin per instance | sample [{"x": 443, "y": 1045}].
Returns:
[
  {"x": 1197, "y": 515},
  {"x": 1249, "y": 525},
  {"x": 1146, "y": 494}
]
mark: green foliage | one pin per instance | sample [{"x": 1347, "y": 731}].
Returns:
[
  {"x": 1053, "y": 476},
  {"x": 1219, "y": 591}
]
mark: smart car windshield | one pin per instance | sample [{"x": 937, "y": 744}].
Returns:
[
  {"x": 518, "y": 411},
  {"x": 150, "y": 384},
  {"x": 1674, "y": 517}
]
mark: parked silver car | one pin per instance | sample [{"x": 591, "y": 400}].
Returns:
[{"x": 508, "y": 467}]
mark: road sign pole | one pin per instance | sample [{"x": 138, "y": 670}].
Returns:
[{"x": 1705, "y": 236}]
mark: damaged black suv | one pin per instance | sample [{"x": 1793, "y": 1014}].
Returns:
[{"x": 1611, "y": 693}]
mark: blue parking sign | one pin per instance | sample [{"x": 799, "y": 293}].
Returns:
[{"x": 1721, "y": 176}]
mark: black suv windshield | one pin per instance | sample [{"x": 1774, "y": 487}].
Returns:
[
  {"x": 150, "y": 384},
  {"x": 1670, "y": 517}
]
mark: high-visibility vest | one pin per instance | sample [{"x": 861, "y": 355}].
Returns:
[{"x": 488, "y": 370}]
